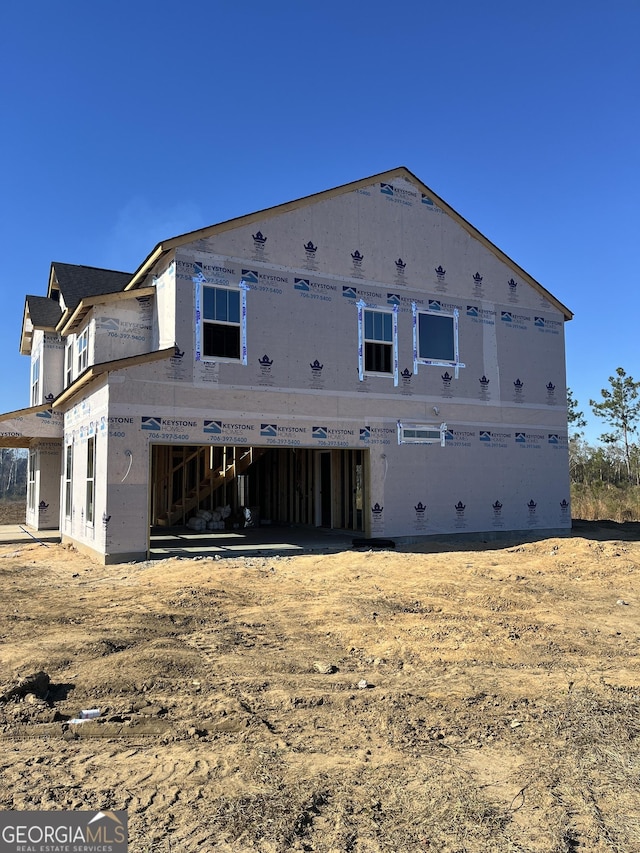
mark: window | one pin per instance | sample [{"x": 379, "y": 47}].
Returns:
[
  {"x": 35, "y": 381},
  {"x": 83, "y": 350},
  {"x": 422, "y": 433},
  {"x": 435, "y": 339},
  {"x": 91, "y": 478},
  {"x": 377, "y": 341},
  {"x": 31, "y": 482},
  {"x": 68, "y": 481},
  {"x": 68, "y": 362},
  {"x": 220, "y": 323}
]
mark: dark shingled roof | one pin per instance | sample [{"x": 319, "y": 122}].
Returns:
[
  {"x": 77, "y": 282},
  {"x": 44, "y": 313}
]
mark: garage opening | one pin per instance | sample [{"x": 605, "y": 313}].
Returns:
[{"x": 259, "y": 486}]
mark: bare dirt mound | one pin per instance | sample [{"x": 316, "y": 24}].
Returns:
[
  {"x": 474, "y": 699},
  {"x": 12, "y": 512}
]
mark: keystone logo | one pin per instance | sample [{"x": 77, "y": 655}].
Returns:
[
  {"x": 406, "y": 373},
  {"x": 393, "y": 299},
  {"x": 42, "y": 506},
  {"x": 427, "y": 200},
  {"x": 506, "y": 317},
  {"x": 349, "y": 292},
  {"x": 302, "y": 284},
  {"x": 376, "y": 509},
  {"x": 177, "y": 353},
  {"x": 420, "y": 508},
  {"x": 47, "y": 415},
  {"x": 213, "y": 427},
  {"x": 539, "y": 322},
  {"x": 532, "y": 505},
  {"x": 259, "y": 238},
  {"x": 554, "y": 438},
  {"x": 365, "y": 434},
  {"x": 564, "y": 504},
  {"x": 484, "y": 382},
  {"x": 446, "y": 379},
  {"x": 477, "y": 279},
  {"x": 309, "y": 248},
  {"x": 108, "y": 324},
  {"x": 434, "y": 305},
  {"x": 400, "y": 265},
  {"x": 357, "y": 258},
  {"x": 472, "y": 310},
  {"x": 497, "y": 507},
  {"x": 521, "y": 437},
  {"x": 485, "y": 435},
  {"x": 316, "y": 367},
  {"x": 265, "y": 361},
  {"x": 151, "y": 423},
  {"x": 250, "y": 276},
  {"x": 268, "y": 430},
  {"x": 518, "y": 385},
  {"x": 513, "y": 285},
  {"x": 386, "y": 189},
  {"x": 440, "y": 273},
  {"x": 460, "y": 508},
  {"x": 319, "y": 432},
  {"x": 551, "y": 387}
]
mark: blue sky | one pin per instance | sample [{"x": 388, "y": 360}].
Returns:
[{"x": 129, "y": 122}]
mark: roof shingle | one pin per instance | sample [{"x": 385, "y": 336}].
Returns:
[{"x": 77, "y": 282}]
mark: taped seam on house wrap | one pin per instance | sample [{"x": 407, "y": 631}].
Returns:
[
  {"x": 197, "y": 279},
  {"x": 244, "y": 287},
  {"x": 360, "y": 305},
  {"x": 395, "y": 345}
]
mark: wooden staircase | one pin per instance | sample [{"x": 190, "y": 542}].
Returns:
[{"x": 235, "y": 461}]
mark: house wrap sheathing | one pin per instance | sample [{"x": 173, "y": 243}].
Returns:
[{"x": 361, "y": 359}]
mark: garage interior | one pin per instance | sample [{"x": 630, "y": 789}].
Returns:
[{"x": 314, "y": 487}]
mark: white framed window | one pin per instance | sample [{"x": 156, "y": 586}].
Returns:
[
  {"x": 68, "y": 362},
  {"x": 68, "y": 481},
  {"x": 377, "y": 341},
  {"x": 31, "y": 480},
  {"x": 83, "y": 350},
  {"x": 91, "y": 479},
  {"x": 416, "y": 433},
  {"x": 435, "y": 338},
  {"x": 35, "y": 381},
  {"x": 221, "y": 323}
]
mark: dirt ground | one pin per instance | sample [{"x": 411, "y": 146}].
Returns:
[
  {"x": 12, "y": 512},
  {"x": 474, "y": 698}
]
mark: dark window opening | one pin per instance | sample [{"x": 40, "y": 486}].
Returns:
[
  {"x": 377, "y": 358},
  {"x": 221, "y": 341}
]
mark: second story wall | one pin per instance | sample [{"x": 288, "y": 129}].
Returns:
[
  {"x": 121, "y": 329},
  {"x": 46, "y": 376}
]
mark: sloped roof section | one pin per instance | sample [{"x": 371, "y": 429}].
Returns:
[
  {"x": 137, "y": 279},
  {"x": 40, "y": 312},
  {"x": 44, "y": 313},
  {"x": 76, "y": 282}
]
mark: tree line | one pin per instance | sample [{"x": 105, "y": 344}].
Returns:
[
  {"x": 13, "y": 474},
  {"x": 617, "y": 460}
]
